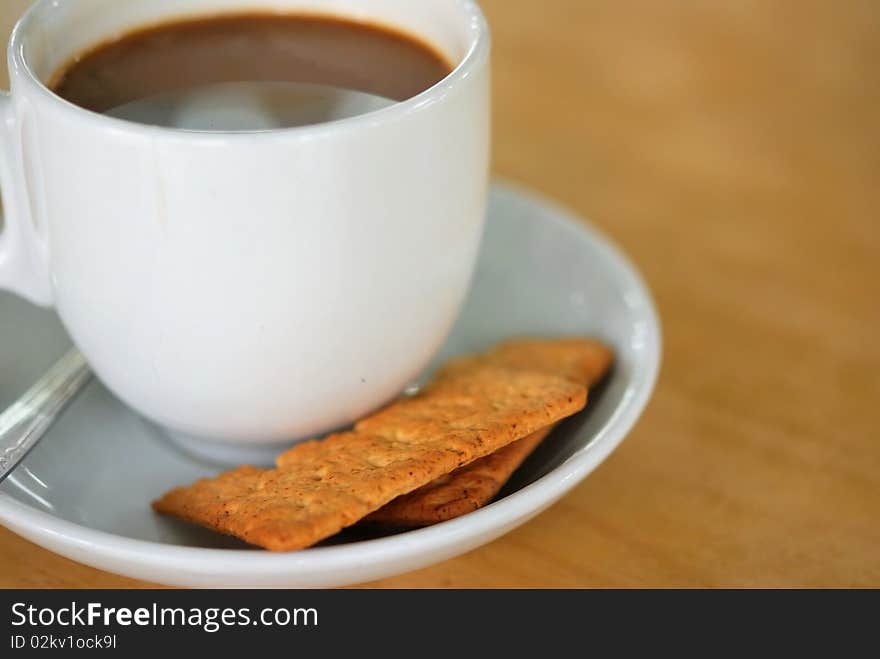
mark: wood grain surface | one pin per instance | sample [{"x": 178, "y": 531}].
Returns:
[{"x": 733, "y": 150}]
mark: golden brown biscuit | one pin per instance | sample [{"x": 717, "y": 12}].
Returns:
[{"x": 320, "y": 487}]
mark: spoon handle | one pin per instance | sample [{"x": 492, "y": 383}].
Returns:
[{"x": 27, "y": 420}]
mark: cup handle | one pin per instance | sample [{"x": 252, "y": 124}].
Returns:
[{"x": 24, "y": 266}]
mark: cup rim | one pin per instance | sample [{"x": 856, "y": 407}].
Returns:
[{"x": 477, "y": 53}]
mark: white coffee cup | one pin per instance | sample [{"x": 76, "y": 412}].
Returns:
[{"x": 248, "y": 287}]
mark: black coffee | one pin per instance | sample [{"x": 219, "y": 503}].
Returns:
[{"x": 250, "y": 71}]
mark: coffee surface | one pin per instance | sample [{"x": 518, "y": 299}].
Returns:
[{"x": 173, "y": 59}]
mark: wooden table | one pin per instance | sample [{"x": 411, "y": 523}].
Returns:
[{"x": 733, "y": 149}]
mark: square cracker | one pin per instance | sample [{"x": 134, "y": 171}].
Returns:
[
  {"x": 475, "y": 485},
  {"x": 320, "y": 487}
]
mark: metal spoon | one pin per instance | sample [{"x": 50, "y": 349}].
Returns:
[{"x": 25, "y": 422}]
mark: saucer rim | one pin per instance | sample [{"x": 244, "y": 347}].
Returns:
[{"x": 205, "y": 566}]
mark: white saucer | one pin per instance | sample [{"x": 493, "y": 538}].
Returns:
[{"x": 84, "y": 492}]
